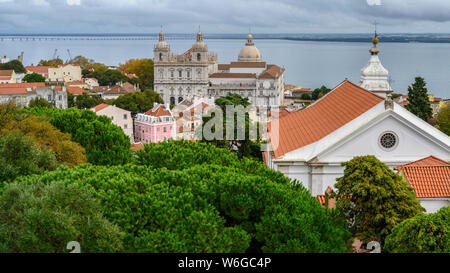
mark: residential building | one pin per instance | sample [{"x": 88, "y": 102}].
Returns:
[
  {"x": 41, "y": 70},
  {"x": 78, "y": 84},
  {"x": 118, "y": 116},
  {"x": 8, "y": 76},
  {"x": 155, "y": 125},
  {"x": 64, "y": 73},
  {"x": 91, "y": 82},
  {"x": 430, "y": 179},
  {"x": 189, "y": 116},
  {"x": 23, "y": 93},
  {"x": 311, "y": 144}
]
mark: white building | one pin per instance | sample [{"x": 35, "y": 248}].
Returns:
[
  {"x": 118, "y": 116},
  {"x": 179, "y": 77},
  {"x": 196, "y": 73},
  {"x": 249, "y": 77},
  {"x": 23, "y": 93},
  {"x": 310, "y": 144}
]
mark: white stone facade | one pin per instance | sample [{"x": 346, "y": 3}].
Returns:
[{"x": 197, "y": 73}]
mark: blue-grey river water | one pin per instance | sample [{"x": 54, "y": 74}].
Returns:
[{"x": 309, "y": 64}]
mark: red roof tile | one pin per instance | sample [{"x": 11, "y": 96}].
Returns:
[
  {"x": 75, "y": 90},
  {"x": 137, "y": 147},
  {"x": 272, "y": 72},
  {"x": 23, "y": 85},
  {"x": 6, "y": 73},
  {"x": 100, "y": 107},
  {"x": 345, "y": 103},
  {"x": 158, "y": 112},
  {"x": 430, "y": 177},
  {"x": 248, "y": 64},
  {"x": 233, "y": 75},
  {"x": 38, "y": 69},
  {"x": 16, "y": 90}
]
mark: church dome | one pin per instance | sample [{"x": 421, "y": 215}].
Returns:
[
  {"x": 249, "y": 52},
  {"x": 162, "y": 45},
  {"x": 199, "y": 46},
  {"x": 374, "y": 77}
]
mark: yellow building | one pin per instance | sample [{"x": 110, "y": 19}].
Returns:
[
  {"x": 7, "y": 76},
  {"x": 65, "y": 73}
]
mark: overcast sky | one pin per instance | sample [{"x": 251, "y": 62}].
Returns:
[{"x": 224, "y": 16}]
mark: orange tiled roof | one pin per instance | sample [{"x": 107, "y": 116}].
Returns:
[
  {"x": 345, "y": 103},
  {"x": 100, "y": 107},
  {"x": 137, "y": 147},
  {"x": 427, "y": 161},
  {"x": 23, "y": 85},
  {"x": 16, "y": 90},
  {"x": 75, "y": 90},
  {"x": 248, "y": 64},
  {"x": 159, "y": 112},
  {"x": 6, "y": 73},
  {"x": 75, "y": 83},
  {"x": 430, "y": 177},
  {"x": 233, "y": 75},
  {"x": 223, "y": 66},
  {"x": 38, "y": 69},
  {"x": 272, "y": 72}
]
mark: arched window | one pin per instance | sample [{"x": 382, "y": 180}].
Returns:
[
  {"x": 199, "y": 57},
  {"x": 172, "y": 100},
  {"x": 160, "y": 56},
  {"x": 180, "y": 99}
]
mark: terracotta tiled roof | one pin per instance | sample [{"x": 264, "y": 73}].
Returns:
[
  {"x": 5, "y": 78},
  {"x": 429, "y": 182},
  {"x": 272, "y": 72},
  {"x": 248, "y": 64},
  {"x": 6, "y": 73},
  {"x": 75, "y": 83},
  {"x": 137, "y": 147},
  {"x": 233, "y": 75},
  {"x": 430, "y": 177},
  {"x": 223, "y": 66},
  {"x": 23, "y": 85},
  {"x": 38, "y": 69},
  {"x": 345, "y": 103},
  {"x": 99, "y": 88},
  {"x": 100, "y": 107},
  {"x": 159, "y": 111},
  {"x": 427, "y": 161},
  {"x": 75, "y": 90},
  {"x": 116, "y": 90},
  {"x": 16, "y": 90}
]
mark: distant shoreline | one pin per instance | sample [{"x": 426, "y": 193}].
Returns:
[{"x": 348, "y": 38}]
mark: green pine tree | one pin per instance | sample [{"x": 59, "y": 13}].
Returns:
[{"x": 419, "y": 103}]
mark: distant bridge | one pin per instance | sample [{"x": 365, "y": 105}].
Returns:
[{"x": 32, "y": 38}]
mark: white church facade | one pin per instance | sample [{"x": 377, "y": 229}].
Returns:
[
  {"x": 352, "y": 120},
  {"x": 197, "y": 73}
]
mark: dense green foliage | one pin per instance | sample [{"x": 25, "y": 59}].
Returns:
[
  {"x": 53, "y": 62},
  {"x": 138, "y": 102},
  {"x": 85, "y": 101},
  {"x": 39, "y": 218},
  {"x": 245, "y": 147},
  {"x": 15, "y": 65},
  {"x": 39, "y": 102},
  {"x": 33, "y": 77},
  {"x": 46, "y": 137},
  {"x": 306, "y": 96},
  {"x": 424, "y": 233},
  {"x": 19, "y": 156},
  {"x": 142, "y": 68},
  {"x": 320, "y": 92},
  {"x": 203, "y": 199},
  {"x": 105, "y": 143},
  {"x": 106, "y": 76},
  {"x": 419, "y": 103},
  {"x": 443, "y": 120},
  {"x": 374, "y": 198}
]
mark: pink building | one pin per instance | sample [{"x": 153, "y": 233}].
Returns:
[{"x": 155, "y": 125}]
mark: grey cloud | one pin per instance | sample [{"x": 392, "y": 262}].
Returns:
[{"x": 135, "y": 16}]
